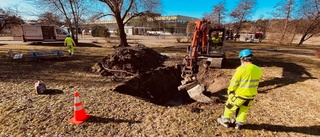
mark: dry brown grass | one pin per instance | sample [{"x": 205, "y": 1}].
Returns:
[
  {"x": 288, "y": 103},
  {"x": 317, "y": 53}
]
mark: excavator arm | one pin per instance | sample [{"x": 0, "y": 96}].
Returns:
[
  {"x": 199, "y": 42},
  {"x": 190, "y": 65}
]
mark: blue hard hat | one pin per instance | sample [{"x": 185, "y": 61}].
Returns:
[{"x": 245, "y": 53}]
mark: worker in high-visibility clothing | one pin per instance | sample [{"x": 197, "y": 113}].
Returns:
[
  {"x": 70, "y": 44},
  {"x": 216, "y": 41},
  {"x": 241, "y": 91}
]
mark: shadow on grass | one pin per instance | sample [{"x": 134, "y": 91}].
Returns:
[
  {"x": 52, "y": 92},
  {"x": 311, "y": 130},
  {"x": 292, "y": 73},
  {"x": 95, "y": 119},
  {"x": 62, "y": 45},
  {"x": 2, "y": 44},
  {"x": 46, "y": 69}
]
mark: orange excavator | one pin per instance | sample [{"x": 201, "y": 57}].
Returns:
[{"x": 207, "y": 44}]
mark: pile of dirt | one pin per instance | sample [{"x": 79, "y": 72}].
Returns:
[
  {"x": 153, "y": 81},
  {"x": 213, "y": 79},
  {"x": 129, "y": 61}
]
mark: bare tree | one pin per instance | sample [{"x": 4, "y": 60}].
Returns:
[
  {"x": 310, "y": 25},
  {"x": 242, "y": 12},
  {"x": 262, "y": 26},
  {"x": 49, "y": 18},
  {"x": 284, "y": 10},
  {"x": 125, "y": 10},
  {"x": 71, "y": 10},
  {"x": 218, "y": 14},
  {"x": 9, "y": 19}
]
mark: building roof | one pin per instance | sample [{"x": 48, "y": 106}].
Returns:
[
  {"x": 173, "y": 17},
  {"x": 177, "y": 17}
]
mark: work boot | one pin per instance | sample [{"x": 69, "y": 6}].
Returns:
[
  {"x": 224, "y": 121},
  {"x": 238, "y": 125}
]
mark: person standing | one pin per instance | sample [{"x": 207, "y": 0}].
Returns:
[
  {"x": 70, "y": 44},
  {"x": 241, "y": 91}
]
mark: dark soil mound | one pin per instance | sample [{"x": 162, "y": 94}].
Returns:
[
  {"x": 153, "y": 81},
  {"x": 129, "y": 60},
  {"x": 159, "y": 87}
]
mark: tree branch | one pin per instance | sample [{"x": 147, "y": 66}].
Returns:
[
  {"x": 121, "y": 71},
  {"x": 127, "y": 11}
]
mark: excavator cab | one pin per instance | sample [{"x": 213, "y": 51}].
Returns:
[{"x": 214, "y": 51}]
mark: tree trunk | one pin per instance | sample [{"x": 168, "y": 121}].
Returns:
[
  {"x": 283, "y": 32},
  {"x": 302, "y": 39},
  {"x": 122, "y": 34},
  {"x": 292, "y": 38},
  {"x": 76, "y": 36}
]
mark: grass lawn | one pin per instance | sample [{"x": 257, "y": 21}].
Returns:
[{"x": 287, "y": 104}]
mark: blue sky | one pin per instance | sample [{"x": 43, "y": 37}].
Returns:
[
  {"x": 197, "y": 8},
  {"x": 192, "y": 8}
]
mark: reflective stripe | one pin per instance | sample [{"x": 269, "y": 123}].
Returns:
[
  {"x": 250, "y": 80},
  {"x": 247, "y": 80},
  {"x": 234, "y": 80},
  {"x": 76, "y": 108},
  {"x": 231, "y": 84},
  {"x": 77, "y": 104},
  {"x": 249, "y": 86},
  {"x": 76, "y": 100}
]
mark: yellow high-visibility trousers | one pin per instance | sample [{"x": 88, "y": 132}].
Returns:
[
  {"x": 70, "y": 49},
  {"x": 237, "y": 105}
]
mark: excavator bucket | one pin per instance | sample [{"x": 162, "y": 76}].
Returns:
[
  {"x": 216, "y": 62},
  {"x": 195, "y": 91}
]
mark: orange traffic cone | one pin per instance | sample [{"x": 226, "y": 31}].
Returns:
[{"x": 79, "y": 113}]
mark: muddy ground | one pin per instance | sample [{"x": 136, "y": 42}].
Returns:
[{"x": 287, "y": 104}]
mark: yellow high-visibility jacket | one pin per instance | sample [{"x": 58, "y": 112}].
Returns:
[
  {"x": 216, "y": 40},
  {"x": 69, "y": 42},
  {"x": 245, "y": 80}
]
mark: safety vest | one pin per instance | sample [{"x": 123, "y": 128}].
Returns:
[
  {"x": 216, "y": 40},
  {"x": 245, "y": 81},
  {"x": 69, "y": 42}
]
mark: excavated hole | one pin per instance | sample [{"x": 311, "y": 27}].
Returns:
[{"x": 158, "y": 86}]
